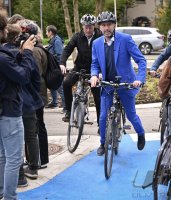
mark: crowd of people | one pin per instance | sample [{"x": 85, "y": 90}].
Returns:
[{"x": 23, "y": 91}]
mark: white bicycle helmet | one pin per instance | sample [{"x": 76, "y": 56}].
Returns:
[
  {"x": 88, "y": 19},
  {"x": 106, "y": 17}
]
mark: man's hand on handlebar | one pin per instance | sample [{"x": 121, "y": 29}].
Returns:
[
  {"x": 152, "y": 73},
  {"x": 137, "y": 83},
  {"x": 94, "y": 81}
]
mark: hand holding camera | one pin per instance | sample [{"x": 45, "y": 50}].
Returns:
[{"x": 29, "y": 43}]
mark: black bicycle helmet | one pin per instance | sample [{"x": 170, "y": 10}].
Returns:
[
  {"x": 88, "y": 19},
  {"x": 106, "y": 17}
]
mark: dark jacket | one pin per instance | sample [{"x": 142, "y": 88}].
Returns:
[
  {"x": 14, "y": 72},
  {"x": 31, "y": 97},
  {"x": 161, "y": 58},
  {"x": 41, "y": 61},
  {"x": 84, "y": 55}
]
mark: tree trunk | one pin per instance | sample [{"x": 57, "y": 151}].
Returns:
[
  {"x": 99, "y": 6},
  {"x": 67, "y": 18},
  {"x": 76, "y": 16},
  {"x": 68, "y": 24}
]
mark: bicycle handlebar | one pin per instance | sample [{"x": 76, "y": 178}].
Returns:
[
  {"x": 117, "y": 85},
  {"x": 81, "y": 73}
]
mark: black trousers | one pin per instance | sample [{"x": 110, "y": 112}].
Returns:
[
  {"x": 31, "y": 139},
  {"x": 69, "y": 81},
  {"x": 43, "y": 137}
]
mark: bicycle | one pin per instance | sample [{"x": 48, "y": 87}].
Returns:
[
  {"x": 162, "y": 171},
  {"x": 115, "y": 125},
  {"x": 79, "y": 110}
]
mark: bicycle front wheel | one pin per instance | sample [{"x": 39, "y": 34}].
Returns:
[
  {"x": 109, "y": 144},
  {"x": 76, "y": 124}
]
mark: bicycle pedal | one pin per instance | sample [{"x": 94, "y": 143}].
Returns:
[
  {"x": 90, "y": 123},
  {"x": 127, "y": 127}
]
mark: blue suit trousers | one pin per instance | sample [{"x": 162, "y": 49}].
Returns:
[{"x": 128, "y": 101}]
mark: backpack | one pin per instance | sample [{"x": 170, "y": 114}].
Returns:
[
  {"x": 53, "y": 76},
  {"x": 165, "y": 81}
]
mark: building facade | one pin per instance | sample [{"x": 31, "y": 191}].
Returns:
[{"x": 144, "y": 8}]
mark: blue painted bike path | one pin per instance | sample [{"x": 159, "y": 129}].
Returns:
[{"x": 85, "y": 179}]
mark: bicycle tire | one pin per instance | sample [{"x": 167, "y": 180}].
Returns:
[
  {"x": 159, "y": 177},
  {"x": 118, "y": 130},
  {"x": 76, "y": 125},
  {"x": 109, "y": 144},
  {"x": 164, "y": 131}
]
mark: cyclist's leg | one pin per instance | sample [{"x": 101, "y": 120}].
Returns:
[
  {"x": 128, "y": 102},
  {"x": 69, "y": 81},
  {"x": 96, "y": 95},
  {"x": 61, "y": 93},
  {"x": 106, "y": 102}
]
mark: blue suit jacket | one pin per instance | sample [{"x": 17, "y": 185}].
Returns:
[{"x": 124, "y": 49}]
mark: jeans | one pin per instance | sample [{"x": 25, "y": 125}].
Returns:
[
  {"x": 11, "y": 155},
  {"x": 54, "y": 94},
  {"x": 31, "y": 139}
]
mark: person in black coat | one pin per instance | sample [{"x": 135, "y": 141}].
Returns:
[{"x": 83, "y": 42}]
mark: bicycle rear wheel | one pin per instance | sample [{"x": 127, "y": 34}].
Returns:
[
  {"x": 164, "y": 131},
  {"x": 162, "y": 169},
  {"x": 109, "y": 144},
  {"x": 76, "y": 125}
]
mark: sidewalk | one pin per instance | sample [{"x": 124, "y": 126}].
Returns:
[{"x": 61, "y": 159}]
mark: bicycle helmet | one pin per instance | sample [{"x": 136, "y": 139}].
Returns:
[
  {"x": 106, "y": 17},
  {"x": 88, "y": 19}
]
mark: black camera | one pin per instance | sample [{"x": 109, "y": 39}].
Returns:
[{"x": 27, "y": 30}]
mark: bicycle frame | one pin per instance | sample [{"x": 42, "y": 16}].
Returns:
[{"x": 79, "y": 110}]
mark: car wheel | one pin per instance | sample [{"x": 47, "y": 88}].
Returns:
[{"x": 145, "y": 48}]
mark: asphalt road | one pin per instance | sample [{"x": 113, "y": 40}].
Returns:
[{"x": 56, "y": 127}]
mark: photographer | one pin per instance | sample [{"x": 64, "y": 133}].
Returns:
[{"x": 12, "y": 77}]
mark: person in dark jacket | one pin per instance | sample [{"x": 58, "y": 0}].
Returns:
[
  {"x": 83, "y": 42},
  {"x": 14, "y": 72},
  {"x": 41, "y": 61},
  {"x": 31, "y": 102},
  {"x": 160, "y": 59}
]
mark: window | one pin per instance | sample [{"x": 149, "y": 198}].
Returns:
[
  {"x": 131, "y": 31},
  {"x": 140, "y": 1}
]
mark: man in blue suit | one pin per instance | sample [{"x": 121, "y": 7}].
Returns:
[{"x": 111, "y": 56}]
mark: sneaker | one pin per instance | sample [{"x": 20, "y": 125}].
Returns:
[
  {"x": 30, "y": 173},
  {"x": 63, "y": 111},
  {"x": 25, "y": 163},
  {"x": 1, "y": 197},
  {"x": 101, "y": 150},
  {"x": 67, "y": 117},
  {"x": 51, "y": 105},
  {"x": 141, "y": 142},
  {"x": 43, "y": 166},
  {"x": 22, "y": 182}
]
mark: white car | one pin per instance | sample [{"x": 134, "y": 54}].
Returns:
[{"x": 147, "y": 39}]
